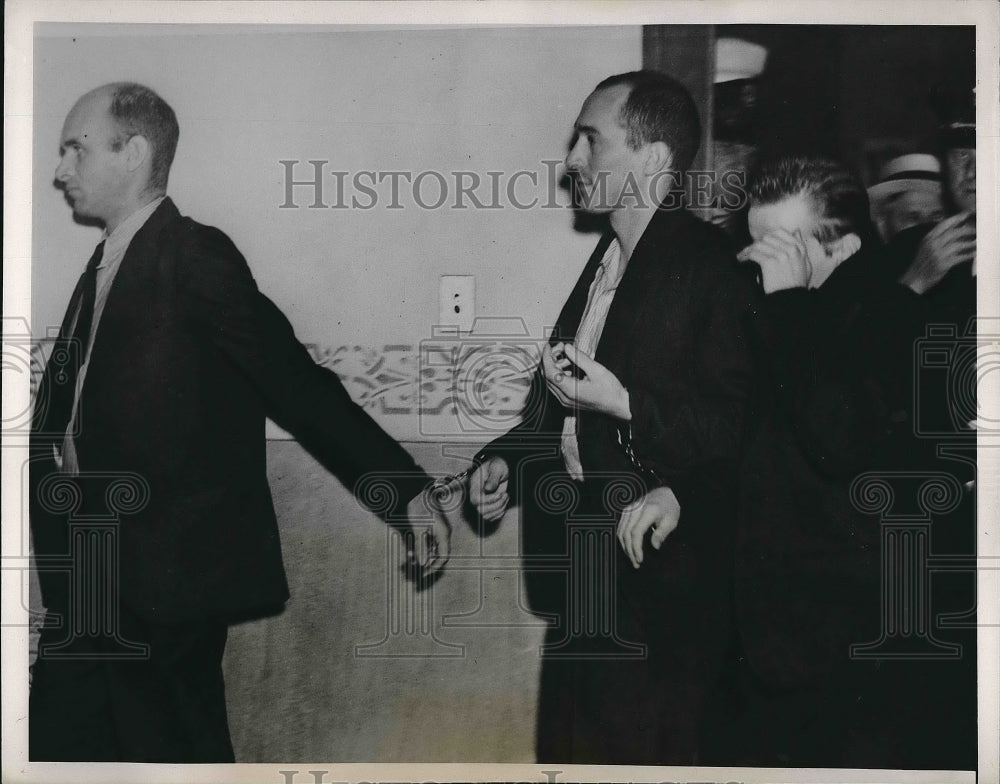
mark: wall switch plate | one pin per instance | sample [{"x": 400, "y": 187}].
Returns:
[{"x": 458, "y": 302}]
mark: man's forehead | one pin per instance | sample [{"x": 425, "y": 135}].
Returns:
[
  {"x": 603, "y": 104},
  {"x": 87, "y": 114}
]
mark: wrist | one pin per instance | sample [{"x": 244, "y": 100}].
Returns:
[
  {"x": 913, "y": 282},
  {"x": 625, "y": 407}
]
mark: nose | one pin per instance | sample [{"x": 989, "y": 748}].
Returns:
[
  {"x": 574, "y": 158},
  {"x": 64, "y": 169}
]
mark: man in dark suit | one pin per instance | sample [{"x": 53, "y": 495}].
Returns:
[
  {"x": 835, "y": 661},
  {"x": 656, "y": 348},
  {"x": 151, "y": 413}
]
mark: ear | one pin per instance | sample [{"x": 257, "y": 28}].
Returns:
[
  {"x": 659, "y": 157},
  {"x": 844, "y": 248},
  {"x": 137, "y": 152}
]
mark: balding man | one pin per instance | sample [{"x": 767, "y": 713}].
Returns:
[{"x": 179, "y": 360}]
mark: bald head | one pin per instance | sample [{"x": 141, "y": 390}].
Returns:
[
  {"x": 117, "y": 145},
  {"x": 137, "y": 110}
]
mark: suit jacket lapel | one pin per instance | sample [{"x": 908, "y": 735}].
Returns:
[
  {"x": 572, "y": 312},
  {"x": 130, "y": 287},
  {"x": 637, "y": 286}
]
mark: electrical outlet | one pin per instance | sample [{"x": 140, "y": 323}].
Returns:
[{"x": 458, "y": 302}]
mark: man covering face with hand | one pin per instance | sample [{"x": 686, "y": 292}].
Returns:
[
  {"x": 799, "y": 238},
  {"x": 834, "y": 340}
]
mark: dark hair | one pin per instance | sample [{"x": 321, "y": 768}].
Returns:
[
  {"x": 658, "y": 109},
  {"x": 840, "y": 198},
  {"x": 139, "y": 111}
]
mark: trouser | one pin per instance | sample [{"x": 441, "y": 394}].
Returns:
[
  {"x": 619, "y": 708},
  {"x": 628, "y": 665},
  {"x": 617, "y": 713},
  {"x": 166, "y": 705}
]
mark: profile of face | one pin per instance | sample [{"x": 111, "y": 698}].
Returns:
[
  {"x": 799, "y": 216},
  {"x": 960, "y": 177},
  {"x": 600, "y": 158},
  {"x": 95, "y": 177},
  {"x": 912, "y": 208}
]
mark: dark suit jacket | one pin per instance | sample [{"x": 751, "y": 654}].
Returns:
[
  {"x": 836, "y": 401},
  {"x": 847, "y": 392},
  {"x": 674, "y": 339},
  {"x": 187, "y": 360}
]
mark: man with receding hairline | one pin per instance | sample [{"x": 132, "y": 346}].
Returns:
[
  {"x": 176, "y": 360},
  {"x": 649, "y": 341}
]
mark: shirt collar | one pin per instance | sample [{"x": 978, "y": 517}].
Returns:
[{"x": 122, "y": 236}]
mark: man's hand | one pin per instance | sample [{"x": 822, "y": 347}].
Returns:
[
  {"x": 948, "y": 244},
  {"x": 430, "y": 546},
  {"x": 660, "y": 510},
  {"x": 488, "y": 489},
  {"x": 599, "y": 390},
  {"x": 783, "y": 259}
]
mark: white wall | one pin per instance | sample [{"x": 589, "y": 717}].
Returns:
[{"x": 419, "y": 99}]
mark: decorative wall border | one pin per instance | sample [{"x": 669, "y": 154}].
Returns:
[{"x": 454, "y": 387}]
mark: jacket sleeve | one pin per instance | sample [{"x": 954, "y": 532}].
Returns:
[
  {"x": 307, "y": 400},
  {"x": 697, "y": 422}
]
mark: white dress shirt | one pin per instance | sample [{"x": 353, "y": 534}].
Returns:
[{"x": 588, "y": 335}]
